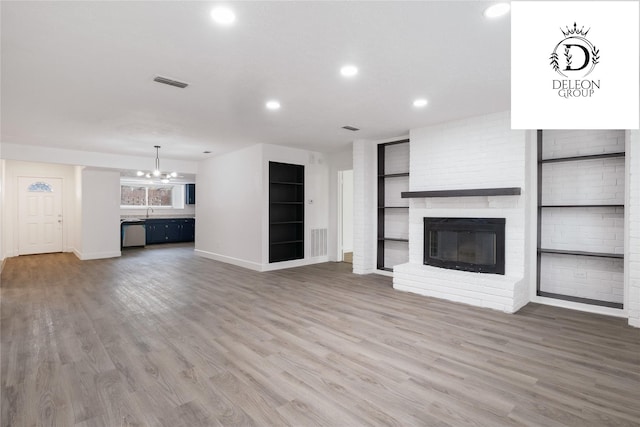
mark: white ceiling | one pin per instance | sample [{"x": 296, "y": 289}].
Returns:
[{"x": 78, "y": 74}]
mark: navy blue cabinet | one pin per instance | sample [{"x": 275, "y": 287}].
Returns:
[
  {"x": 155, "y": 231},
  {"x": 171, "y": 230},
  {"x": 190, "y": 192},
  {"x": 187, "y": 230}
]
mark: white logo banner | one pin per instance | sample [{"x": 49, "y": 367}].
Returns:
[{"x": 574, "y": 65}]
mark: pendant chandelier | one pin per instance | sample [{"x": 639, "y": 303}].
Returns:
[{"x": 165, "y": 177}]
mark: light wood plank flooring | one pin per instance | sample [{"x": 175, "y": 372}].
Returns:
[{"x": 160, "y": 337}]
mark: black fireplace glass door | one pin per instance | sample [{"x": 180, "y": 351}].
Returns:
[
  {"x": 468, "y": 247},
  {"x": 472, "y": 244}
]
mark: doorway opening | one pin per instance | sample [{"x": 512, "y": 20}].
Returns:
[{"x": 345, "y": 216}]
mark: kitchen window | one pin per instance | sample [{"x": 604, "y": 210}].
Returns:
[{"x": 143, "y": 196}]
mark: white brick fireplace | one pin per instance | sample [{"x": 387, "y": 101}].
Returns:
[
  {"x": 477, "y": 153},
  {"x": 484, "y": 153}
]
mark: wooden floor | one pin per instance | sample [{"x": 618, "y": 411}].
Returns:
[{"x": 161, "y": 337}]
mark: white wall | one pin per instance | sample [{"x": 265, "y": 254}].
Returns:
[
  {"x": 232, "y": 212},
  {"x": 316, "y": 189},
  {"x": 365, "y": 190},
  {"x": 347, "y": 211},
  {"x": 230, "y": 207},
  {"x": 100, "y": 223},
  {"x": 2, "y": 204},
  {"x": 632, "y": 245},
  {"x": 15, "y": 169},
  {"x": 77, "y": 209}
]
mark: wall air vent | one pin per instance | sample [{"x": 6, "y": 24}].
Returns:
[
  {"x": 351, "y": 128},
  {"x": 170, "y": 82}
]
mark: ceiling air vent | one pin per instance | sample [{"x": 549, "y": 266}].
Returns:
[
  {"x": 351, "y": 128},
  {"x": 170, "y": 82}
]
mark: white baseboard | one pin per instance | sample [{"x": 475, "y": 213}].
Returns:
[
  {"x": 255, "y": 266},
  {"x": 589, "y": 308},
  {"x": 96, "y": 255},
  {"x": 363, "y": 271},
  {"x": 294, "y": 263},
  {"x": 384, "y": 273}
]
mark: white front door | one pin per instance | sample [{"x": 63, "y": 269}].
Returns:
[{"x": 40, "y": 215}]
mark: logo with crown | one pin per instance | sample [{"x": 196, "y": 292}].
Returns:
[{"x": 578, "y": 55}]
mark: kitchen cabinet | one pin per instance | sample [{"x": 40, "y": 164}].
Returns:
[
  {"x": 187, "y": 230},
  {"x": 190, "y": 192},
  {"x": 155, "y": 232},
  {"x": 170, "y": 230}
]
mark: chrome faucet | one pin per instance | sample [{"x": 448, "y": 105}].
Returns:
[{"x": 148, "y": 211}]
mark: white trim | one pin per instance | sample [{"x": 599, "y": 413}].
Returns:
[
  {"x": 626, "y": 266},
  {"x": 393, "y": 139},
  {"x": 257, "y": 266},
  {"x": 383, "y": 273},
  {"x": 294, "y": 263},
  {"x": 229, "y": 260},
  {"x": 97, "y": 255},
  {"x": 588, "y": 308},
  {"x": 363, "y": 271},
  {"x": 532, "y": 197},
  {"x": 339, "y": 254}
]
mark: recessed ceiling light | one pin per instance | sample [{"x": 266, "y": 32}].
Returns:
[
  {"x": 273, "y": 105},
  {"x": 420, "y": 103},
  {"x": 223, "y": 15},
  {"x": 349, "y": 70},
  {"x": 139, "y": 173},
  {"x": 497, "y": 10}
]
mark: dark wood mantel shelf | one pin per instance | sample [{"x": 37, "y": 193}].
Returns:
[{"x": 506, "y": 191}]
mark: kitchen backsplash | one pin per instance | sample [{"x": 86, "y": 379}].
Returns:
[{"x": 188, "y": 212}]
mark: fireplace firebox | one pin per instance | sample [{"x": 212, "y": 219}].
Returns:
[{"x": 468, "y": 244}]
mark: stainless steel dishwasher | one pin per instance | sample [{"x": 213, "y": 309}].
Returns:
[{"x": 133, "y": 233}]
